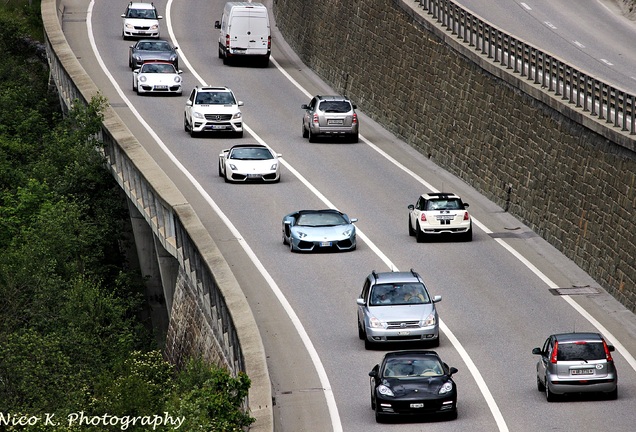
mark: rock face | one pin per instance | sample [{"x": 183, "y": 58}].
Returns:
[{"x": 628, "y": 7}]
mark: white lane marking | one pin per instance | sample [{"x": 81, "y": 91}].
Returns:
[
  {"x": 578, "y": 44},
  {"x": 526, "y": 6},
  {"x": 329, "y": 394},
  {"x": 607, "y": 62},
  {"x": 549, "y": 24}
]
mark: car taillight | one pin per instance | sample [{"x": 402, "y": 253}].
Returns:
[
  {"x": 423, "y": 217},
  {"x": 269, "y": 42},
  {"x": 227, "y": 41},
  {"x": 608, "y": 355},
  {"x": 316, "y": 118},
  {"x": 553, "y": 357},
  {"x": 354, "y": 119},
  {"x": 466, "y": 217}
]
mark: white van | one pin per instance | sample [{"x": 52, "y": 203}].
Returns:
[{"x": 244, "y": 31}]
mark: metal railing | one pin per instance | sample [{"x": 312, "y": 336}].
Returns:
[{"x": 590, "y": 94}]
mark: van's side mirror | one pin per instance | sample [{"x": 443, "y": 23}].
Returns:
[{"x": 217, "y": 24}]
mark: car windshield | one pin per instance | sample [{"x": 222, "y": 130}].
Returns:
[
  {"x": 154, "y": 46},
  {"x": 320, "y": 219},
  {"x": 215, "y": 98},
  {"x": 251, "y": 154},
  {"x": 444, "y": 204},
  {"x": 335, "y": 106},
  {"x": 413, "y": 367},
  {"x": 141, "y": 14},
  {"x": 398, "y": 294},
  {"x": 580, "y": 351},
  {"x": 157, "y": 68}
]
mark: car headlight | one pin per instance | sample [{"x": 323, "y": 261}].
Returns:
[
  {"x": 129, "y": 26},
  {"x": 232, "y": 167},
  {"x": 198, "y": 115},
  {"x": 429, "y": 321},
  {"x": 238, "y": 115},
  {"x": 375, "y": 323},
  {"x": 384, "y": 390},
  {"x": 142, "y": 78},
  {"x": 273, "y": 167},
  {"x": 347, "y": 233},
  {"x": 446, "y": 387},
  {"x": 154, "y": 27},
  {"x": 301, "y": 234},
  {"x": 177, "y": 79}
]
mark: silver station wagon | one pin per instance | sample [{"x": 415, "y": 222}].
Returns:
[{"x": 396, "y": 307}]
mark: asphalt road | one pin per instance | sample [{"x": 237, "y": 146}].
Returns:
[{"x": 496, "y": 301}]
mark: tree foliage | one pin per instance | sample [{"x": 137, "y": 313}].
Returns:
[{"x": 71, "y": 337}]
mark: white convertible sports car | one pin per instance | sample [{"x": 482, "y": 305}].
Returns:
[
  {"x": 157, "y": 77},
  {"x": 249, "y": 162}
]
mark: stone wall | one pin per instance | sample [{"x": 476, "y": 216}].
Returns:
[{"x": 573, "y": 179}]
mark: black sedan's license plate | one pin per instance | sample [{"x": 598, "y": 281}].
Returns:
[{"x": 417, "y": 405}]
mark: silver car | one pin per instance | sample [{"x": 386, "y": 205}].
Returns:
[
  {"x": 330, "y": 116},
  {"x": 576, "y": 363},
  {"x": 396, "y": 307},
  {"x": 315, "y": 230}
]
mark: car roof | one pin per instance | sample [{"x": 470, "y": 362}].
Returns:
[
  {"x": 574, "y": 337},
  {"x": 332, "y": 97},
  {"x": 386, "y": 277},
  {"x": 140, "y": 5},
  {"x": 157, "y": 62},
  {"x": 411, "y": 354},
  {"x": 440, "y": 195},
  {"x": 209, "y": 88},
  {"x": 249, "y": 146}
]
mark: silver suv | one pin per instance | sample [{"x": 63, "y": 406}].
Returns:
[
  {"x": 396, "y": 307},
  {"x": 576, "y": 363},
  {"x": 330, "y": 115},
  {"x": 212, "y": 109}
]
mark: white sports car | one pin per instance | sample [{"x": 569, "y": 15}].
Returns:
[
  {"x": 249, "y": 162},
  {"x": 157, "y": 77}
]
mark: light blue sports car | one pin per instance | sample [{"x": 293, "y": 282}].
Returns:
[{"x": 329, "y": 229}]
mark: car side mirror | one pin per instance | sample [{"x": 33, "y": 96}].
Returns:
[
  {"x": 304, "y": 106},
  {"x": 159, "y": 17},
  {"x": 610, "y": 348},
  {"x": 360, "y": 301},
  {"x": 537, "y": 351},
  {"x": 374, "y": 372},
  {"x": 179, "y": 71},
  {"x": 240, "y": 103},
  {"x": 189, "y": 102},
  {"x": 123, "y": 15},
  {"x": 355, "y": 106},
  {"x": 466, "y": 205},
  {"x": 437, "y": 298},
  {"x": 452, "y": 371},
  {"x": 279, "y": 155},
  {"x": 136, "y": 71},
  {"x": 353, "y": 220},
  {"x": 411, "y": 207},
  {"x": 287, "y": 222},
  {"x": 217, "y": 24}
]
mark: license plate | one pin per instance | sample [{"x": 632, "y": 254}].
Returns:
[
  {"x": 218, "y": 127},
  {"x": 417, "y": 405},
  {"x": 404, "y": 333},
  {"x": 335, "y": 122},
  {"x": 445, "y": 217},
  {"x": 582, "y": 371},
  {"x": 161, "y": 87},
  {"x": 325, "y": 244},
  {"x": 253, "y": 176}
]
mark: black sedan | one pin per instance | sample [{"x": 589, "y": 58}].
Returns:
[
  {"x": 413, "y": 383},
  {"x": 152, "y": 49}
]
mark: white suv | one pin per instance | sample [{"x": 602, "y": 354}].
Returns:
[
  {"x": 438, "y": 214},
  {"x": 140, "y": 20},
  {"x": 212, "y": 109}
]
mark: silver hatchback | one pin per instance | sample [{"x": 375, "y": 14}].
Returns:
[
  {"x": 576, "y": 363},
  {"x": 330, "y": 116},
  {"x": 396, "y": 307}
]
